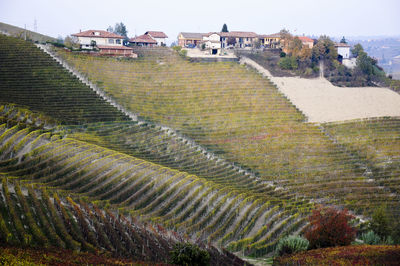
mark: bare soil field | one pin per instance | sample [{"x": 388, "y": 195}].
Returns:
[{"x": 323, "y": 102}]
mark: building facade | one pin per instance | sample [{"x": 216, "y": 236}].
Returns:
[
  {"x": 159, "y": 36},
  {"x": 190, "y": 39},
  {"x": 108, "y": 43}
]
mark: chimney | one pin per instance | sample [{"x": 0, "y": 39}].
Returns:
[{"x": 80, "y": 30}]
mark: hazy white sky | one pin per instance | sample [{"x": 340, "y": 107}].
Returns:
[{"x": 309, "y": 17}]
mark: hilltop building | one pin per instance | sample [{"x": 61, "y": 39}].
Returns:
[
  {"x": 143, "y": 40},
  {"x": 159, "y": 36},
  {"x": 271, "y": 40},
  {"x": 108, "y": 43},
  {"x": 306, "y": 41},
  {"x": 344, "y": 55},
  {"x": 238, "y": 39},
  {"x": 343, "y": 50},
  {"x": 212, "y": 42},
  {"x": 190, "y": 39}
]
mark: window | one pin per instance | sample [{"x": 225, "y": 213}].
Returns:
[
  {"x": 111, "y": 41},
  {"x": 118, "y": 41}
]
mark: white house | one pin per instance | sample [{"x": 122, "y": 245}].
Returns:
[
  {"x": 343, "y": 50},
  {"x": 212, "y": 42},
  {"x": 88, "y": 39},
  {"x": 159, "y": 36},
  {"x": 108, "y": 43}
]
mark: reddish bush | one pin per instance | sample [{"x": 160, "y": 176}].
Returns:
[{"x": 330, "y": 227}]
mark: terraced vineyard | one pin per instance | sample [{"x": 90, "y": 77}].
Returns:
[
  {"x": 218, "y": 154},
  {"x": 31, "y": 78},
  {"x": 210, "y": 211},
  {"x": 243, "y": 118}
]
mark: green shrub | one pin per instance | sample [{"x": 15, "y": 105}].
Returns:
[
  {"x": 291, "y": 244},
  {"x": 183, "y": 53},
  {"x": 288, "y": 62},
  {"x": 177, "y": 48},
  {"x": 188, "y": 254},
  {"x": 371, "y": 238}
]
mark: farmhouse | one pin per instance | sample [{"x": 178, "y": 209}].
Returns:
[
  {"x": 90, "y": 38},
  {"x": 238, "y": 39},
  {"x": 306, "y": 41},
  {"x": 108, "y": 43},
  {"x": 190, "y": 39},
  {"x": 270, "y": 40},
  {"x": 212, "y": 41},
  {"x": 143, "y": 40},
  {"x": 159, "y": 36}
]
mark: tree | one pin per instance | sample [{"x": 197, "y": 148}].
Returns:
[
  {"x": 288, "y": 62},
  {"x": 231, "y": 41},
  {"x": 357, "y": 49},
  {"x": 110, "y": 29},
  {"x": 380, "y": 223},
  {"x": 71, "y": 42},
  {"x": 120, "y": 29},
  {"x": 189, "y": 254},
  {"x": 324, "y": 49},
  {"x": 330, "y": 227},
  {"x": 343, "y": 40},
  {"x": 224, "y": 28}
]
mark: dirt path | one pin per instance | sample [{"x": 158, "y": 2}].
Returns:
[{"x": 320, "y": 101}]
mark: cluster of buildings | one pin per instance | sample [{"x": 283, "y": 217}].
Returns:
[
  {"x": 110, "y": 43},
  {"x": 215, "y": 41}
]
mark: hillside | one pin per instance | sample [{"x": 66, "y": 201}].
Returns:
[
  {"x": 217, "y": 153},
  {"x": 20, "y": 32},
  {"x": 241, "y": 116}
]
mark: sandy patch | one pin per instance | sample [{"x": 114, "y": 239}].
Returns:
[{"x": 322, "y": 102}]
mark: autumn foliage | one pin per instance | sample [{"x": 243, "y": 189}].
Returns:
[{"x": 329, "y": 227}]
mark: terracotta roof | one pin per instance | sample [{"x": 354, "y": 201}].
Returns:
[
  {"x": 157, "y": 34},
  {"x": 192, "y": 35},
  {"x": 98, "y": 34},
  {"x": 114, "y": 47},
  {"x": 143, "y": 38},
  {"x": 305, "y": 39},
  {"x": 239, "y": 34},
  {"x": 339, "y": 44}
]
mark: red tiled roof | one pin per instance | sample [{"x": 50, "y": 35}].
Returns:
[
  {"x": 100, "y": 34},
  {"x": 143, "y": 39},
  {"x": 239, "y": 34},
  {"x": 114, "y": 47},
  {"x": 305, "y": 39},
  {"x": 156, "y": 34}
]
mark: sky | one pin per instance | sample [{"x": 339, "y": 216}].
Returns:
[{"x": 334, "y": 18}]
